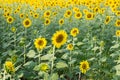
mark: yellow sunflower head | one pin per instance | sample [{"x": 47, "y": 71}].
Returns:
[
  {"x": 84, "y": 66},
  {"x": 75, "y": 9},
  {"x": 107, "y": 20},
  {"x": 44, "y": 67},
  {"x": 61, "y": 21},
  {"x": 118, "y": 33},
  {"x": 13, "y": 29},
  {"x": 74, "y": 32},
  {"x": 78, "y": 15},
  {"x": 10, "y": 19},
  {"x": 35, "y": 15},
  {"x": 117, "y": 23},
  {"x": 89, "y": 16},
  {"x": 40, "y": 43},
  {"x": 68, "y": 13},
  {"x": 59, "y": 38},
  {"x": 47, "y": 21},
  {"x": 21, "y": 15},
  {"x": 9, "y": 67},
  {"x": 47, "y": 13},
  {"x": 70, "y": 47},
  {"x": 118, "y": 13},
  {"x": 27, "y": 22}
]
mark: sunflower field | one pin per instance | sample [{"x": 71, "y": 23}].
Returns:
[{"x": 59, "y": 39}]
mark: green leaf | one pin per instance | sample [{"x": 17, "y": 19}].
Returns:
[
  {"x": 54, "y": 76},
  {"x": 115, "y": 46},
  {"x": 61, "y": 65},
  {"x": 65, "y": 56},
  {"x": 47, "y": 57},
  {"x": 117, "y": 69},
  {"x": 29, "y": 64},
  {"x": 37, "y": 68},
  {"x": 95, "y": 48},
  {"x": 31, "y": 54},
  {"x": 79, "y": 43}
]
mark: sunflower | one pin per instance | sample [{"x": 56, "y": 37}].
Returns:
[
  {"x": 74, "y": 32},
  {"x": 7, "y": 14},
  {"x": 89, "y": 16},
  {"x": 21, "y": 15},
  {"x": 61, "y": 21},
  {"x": 10, "y": 19},
  {"x": 13, "y": 29},
  {"x": 78, "y": 15},
  {"x": 68, "y": 13},
  {"x": 118, "y": 13},
  {"x": 27, "y": 22},
  {"x": 36, "y": 15},
  {"x": 117, "y": 23},
  {"x": 85, "y": 11},
  {"x": 70, "y": 47},
  {"x": 84, "y": 66},
  {"x": 75, "y": 9},
  {"x": 44, "y": 67},
  {"x": 47, "y": 13},
  {"x": 96, "y": 9},
  {"x": 40, "y": 43},
  {"x": 107, "y": 20},
  {"x": 47, "y": 21},
  {"x": 118, "y": 33},
  {"x": 9, "y": 67},
  {"x": 59, "y": 38}
]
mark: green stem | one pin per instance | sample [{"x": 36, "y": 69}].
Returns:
[
  {"x": 25, "y": 31},
  {"x": 117, "y": 39},
  {"x": 10, "y": 77},
  {"x": 70, "y": 62},
  {"x": 39, "y": 58},
  {"x": 4, "y": 77},
  {"x": 15, "y": 40},
  {"x": 52, "y": 65}
]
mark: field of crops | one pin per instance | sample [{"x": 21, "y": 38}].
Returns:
[{"x": 59, "y": 39}]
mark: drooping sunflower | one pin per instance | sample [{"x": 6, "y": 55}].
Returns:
[
  {"x": 47, "y": 21},
  {"x": 117, "y": 23},
  {"x": 9, "y": 67},
  {"x": 44, "y": 67},
  {"x": 59, "y": 38},
  {"x": 10, "y": 19},
  {"x": 78, "y": 15},
  {"x": 40, "y": 43},
  {"x": 13, "y": 29},
  {"x": 70, "y": 47},
  {"x": 118, "y": 33},
  {"x": 84, "y": 66},
  {"x": 27, "y": 22},
  {"x": 74, "y": 32},
  {"x": 89, "y": 16},
  {"x": 61, "y": 21},
  {"x": 107, "y": 20}
]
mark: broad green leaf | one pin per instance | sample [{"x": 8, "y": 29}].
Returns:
[
  {"x": 61, "y": 65},
  {"x": 54, "y": 76},
  {"x": 31, "y": 54},
  {"x": 117, "y": 69},
  {"x": 115, "y": 46},
  {"x": 47, "y": 57},
  {"x": 95, "y": 48}
]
